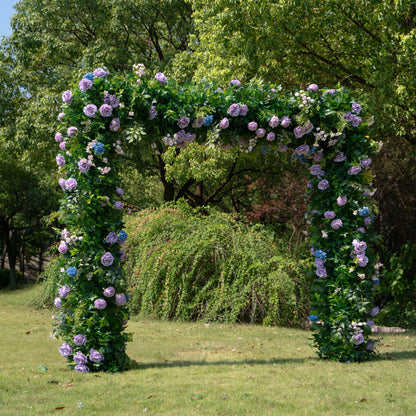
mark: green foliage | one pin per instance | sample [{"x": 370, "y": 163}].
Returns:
[
  {"x": 50, "y": 280},
  {"x": 5, "y": 277},
  {"x": 203, "y": 265}
]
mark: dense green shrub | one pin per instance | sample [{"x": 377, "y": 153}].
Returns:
[
  {"x": 184, "y": 264},
  {"x": 5, "y": 277},
  {"x": 51, "y": 280}
]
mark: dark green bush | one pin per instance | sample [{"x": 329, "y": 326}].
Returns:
[
  {"x": 182, "y": 264},
  {"x": 5, "y": 278}
]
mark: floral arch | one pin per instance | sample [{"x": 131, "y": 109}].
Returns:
[{"x": 325, "y": 130}]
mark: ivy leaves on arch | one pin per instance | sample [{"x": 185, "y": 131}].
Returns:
[{"x": 325, "y": 130}]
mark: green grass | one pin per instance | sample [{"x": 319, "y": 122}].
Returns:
[{"x": 197, "y": 369}]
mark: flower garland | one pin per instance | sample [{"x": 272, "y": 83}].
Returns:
[{"x": 326, "y": 133}]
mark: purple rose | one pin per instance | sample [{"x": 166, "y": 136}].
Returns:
[
  {"x": 84, "y": 165},
  {"x": 243, "y": 110},
  {"x": 161, "y": 78},
  {"x": 271, "y": 136},
  {"x": 356, "y": 121},
  {"x": 359, "y": 246},
  {"x": 62, "y": 183},
  {"x": 121, "y": 300},
  {"x": 85, "y": 84},
  {"x": 112, "y": 238},
  {"x": 64, "y": 291},
  {"x": 252, "y": 126},
  {"x": 71, "y": 184},
  {"x": 106, "y": 110},
  {"x": 362, "y": 261},
  {"x": 358, "y": 339},
  {"x": 80, "y": 340},
  {"x": 62, "y": 146},
  {"x": 80, "y": 358},
  {"x": 183, "y": 122},
  {"x": 313, "y": 88},
  {"x": 332, "y": 92},
  {"x": 318, "y": 156},
  {"x": 303, "y": 149},
  {"x": 367, "y": 221},
  {"x": 119, "y": 191},
  {"x": 63, "y": 248},
  {"x": 100, "y": 73},
  {"x": 115, "y": 124},
  {"x": 112, "y": 100},
  {"x": 107, "y": 259},
  {"x": 224, "y": 123},
  {"x": 81, "y": 368},
  {"x": 95, "y": 356},
  {"x": 61, "y": 116},
  {"x": 274, "y": 122},
  {"x": 118, "y": 205},
  {"x": 100, "y": 304},
  {"x": 90, "y": 110},
  {"x": 109, "y": 292},
  {"x": 361, "y": 230},
  {"x": 354, "y": 170},
  {"x": 57, "y": 302},
  {"x": 329, "y": 214},
  {"x": 72, "y": 131},
  {"x": 321, "y": 272},
  {"x": 365, "y": 163},
  {"x": 375, "y": 311},
  {"x": 319, "y": 263},
  {"x": 356, "y": 108},
  {"x": 370, "y": 324},
  {"x": 60, "y": 160},
  {"x": 336, "y": 224},
  {"x": 260, "y": 133},
  {"x": 152, "y": 112},
  {"x": 283, "y": 148},
  {"x": 342, "y": 200},
  {"x": 235, "y": 82},
  {"x": 65, "y": 350},
  {"x": 234, "y": 110},
  {"x": 285, "y": 121},
  {"x": 59, "y": 137},
  {"x": 315, "y": 170},
  {"x": 323, "y": 185},
  {"x": 67, "y": 97},
  {"x": 339, "y": 157}
]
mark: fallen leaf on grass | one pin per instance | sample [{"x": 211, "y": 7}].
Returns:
[
  {"x": 198, "y": 406},
  {"x": 364, "y": 399},
  {"x": 60, "y": 408},
  {"x": 69, "y": 385},
  {"x": 28, "y": 332},
  {"x": 96, "y": 375},
  {"x": 150, "y": 396},
  {"x": 36, "y": 376},
  {"x": 54, "y": 382}
]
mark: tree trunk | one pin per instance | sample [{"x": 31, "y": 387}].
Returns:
[{"x": 22, "y": 263}]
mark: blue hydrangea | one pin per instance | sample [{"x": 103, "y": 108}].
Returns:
[
  {"x": 122, "y": 236},
  {"x": 319, "y": 254},
  {"x": 364, "y": 211},
  {"x": 71, "y": 271},
  {"x": 127, "y": 296},
  {"x": 208, "y": 120},
  {"x": 89, "y": 76},
  {"x": 98, "y": 148},
  {"x": 313, "y": 318}
]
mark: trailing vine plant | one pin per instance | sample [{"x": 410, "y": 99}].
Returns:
[{"x": 324, "y": 130}]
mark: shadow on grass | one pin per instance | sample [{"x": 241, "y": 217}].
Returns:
[{"x": 396, "y": 355}]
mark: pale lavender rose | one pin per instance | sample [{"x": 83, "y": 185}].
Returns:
[
  {"x": 323, "y": 185},
  {"x": 118, "y": 205},
  {"x": 313, "y": 88},
  {"x": 112, "y": 100},
  {"x": 224, "y": 123},
  {"x": 67, "y": 97},
  {"x": 356, "y": 108},
  {"x": 315, "y": 170},
  {"x": 62, "y": 146},
  {"x": 359, "y": 246},
  {"x": 71, "y": 184},
  {"x": 100, "y": 73},
  {"x": 90, "y": 110},
  {"x": 61, "y": 116},
  {"x": 235, "y": 82},
  {"x": 95, "y": 356},
  {"x": 100, "y": 304},
  {"x": 329, "y": 214},
  {"x": 321, "y": 272},
  {"x": 107, "y": 259},
  {"x": 342, "y": 200},
  {"x": 119, "y": 191},
  {"x": 112, "y": 238},
  {"x": 374, "y": 311},
  {"x": 271, "y": 136},
  {"x": 361, "y": 230},
  {"x": 60, "y": 160},
  {"x": 367, "y": 221},
  {"x": 80, "y": 340},
  {"x": 64, "y": 291},
  {"x": 285, "y": 121},
  {"x": 319, "y": 263},
  {"x": 62, "y": 183},
  {"x": 85, "y": 84},
  {"x": 161, "y": 78},
  {"x": 336, "y": 224},
  {"x": 121, "y": 300},
  {"x": 115, "y": 124},
  {"x": 198, "y": 122},
  {"x": 106, "y": 110},
  {"x": 274, "y": 122},
  {"x": 298, "y": 131},
  {"x": 339, "y": 157},
  {"x": 183, "y": 122},
  {"x": 365, "y": 163},
  {"x": 59, "y": 137},
  {"x": 252, "y": 126},
  {"x": 243, "y": 110},
  {"x": 370, "y": 324},
  {"x": 109, "y": 292},
  {"x": 81, "y": 368},
  {"x": 80, "y": 358},
  {"x": 84, "y": 165},
  {"x": 63, "y": 248},
  {"x": 348, "y": 117},
  {"x": 362, "y": 261},
  {"x": 234, "y": 110},
  {"x": 189, "y": 137},
  {"x": 358, "y": 339},
  {"x": 332, "y": 92},
  {"x": 152, "y": 112},
  {"x": 72, "y": 131},
  {"x": 260, "y": 133},
  {"x": 302, "y": 150},
  {"x": 57, "y": 302},
  {"x": 356, "y": 121},
  {"x": 65, "y": 350}
]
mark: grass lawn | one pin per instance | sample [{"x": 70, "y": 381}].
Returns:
[{"x": 198, "y": 369}]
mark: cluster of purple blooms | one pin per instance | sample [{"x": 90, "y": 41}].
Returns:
[
  {"x": 320, "y": 259},
  {"x": 359, "y": 252},
  {"x": 352, "y": 116}
]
